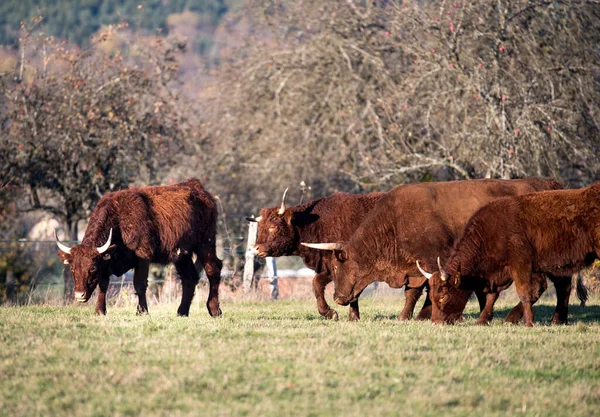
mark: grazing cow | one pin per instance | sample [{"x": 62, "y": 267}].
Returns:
[
  {"x": 136, "y": 227},
  {"x": 410, "y": 222},
  {"x": 522, "y": 239}
]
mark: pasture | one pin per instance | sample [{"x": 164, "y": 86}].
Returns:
[{"x": 282, "y": 359}]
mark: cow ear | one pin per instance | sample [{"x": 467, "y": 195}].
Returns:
[
  {"x": 64, "y": 257},
  {"x": 341, "y": 255},
  {"x": 455, "y": 281},
  {"x": 288, "y": 216}
]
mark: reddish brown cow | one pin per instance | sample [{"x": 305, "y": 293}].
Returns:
[
  {"x": 133, "y": 228},
  {"x": 281, "y": 229},
  {"x": 521, "y": 239},
  {"x": 410, "y": 222}
]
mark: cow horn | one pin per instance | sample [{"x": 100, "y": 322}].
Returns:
[
  {"x": 324, "y": 246},
  {"x": 254, "y": 219},
  {"x": 61, "y": 246},
  {"x": 104, "y": 247},
  {"x": 443, "y": 274},
  {"x": 422, "y": 271},
  {"x": 282, "y": 208}
]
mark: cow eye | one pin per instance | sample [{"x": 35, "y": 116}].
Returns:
[
  {"x": 93, "y": 269},
  {"x": 272, "y": 228}
]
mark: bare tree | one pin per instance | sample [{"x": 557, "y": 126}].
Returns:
[
  {"x": 79, "y": 123},
  {"x": 358, "y": 95}
]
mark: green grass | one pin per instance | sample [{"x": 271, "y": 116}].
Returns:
[{"x": 282, "y": 359}]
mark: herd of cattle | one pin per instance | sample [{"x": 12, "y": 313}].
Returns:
[{"x": 451, "y": 238}]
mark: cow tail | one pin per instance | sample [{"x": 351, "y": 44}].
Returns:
[{"x": 582, "y": 291}]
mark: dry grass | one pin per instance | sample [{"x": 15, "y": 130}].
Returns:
[{"x": 281, "y": 358}]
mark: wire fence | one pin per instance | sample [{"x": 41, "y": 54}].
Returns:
[{"x": 31, "y": 272}]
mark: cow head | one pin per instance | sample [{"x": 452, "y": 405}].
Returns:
[
  {"x": 349, "y": 278},
  {"x": 276, "y": 235},
  {"x": 88, "y": 264},
  {"x": 448, "y": 299}
]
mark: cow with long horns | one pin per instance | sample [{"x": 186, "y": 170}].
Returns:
[
  {"x": 281, "y": 229},
  {"x": 522, "y": 239},
  {"x": 412, "y": 222},
  {"x": 130, "y": 229}
]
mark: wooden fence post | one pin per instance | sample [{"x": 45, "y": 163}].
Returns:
[
  {"x": 272, "y": 276},
  {"x": 69, "y": 285},
  {"x": 10, "y": 286},
  {"x": 249, "y": 259}
]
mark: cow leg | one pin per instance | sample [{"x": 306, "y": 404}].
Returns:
[
  {"x": 189, "y": 279},
  {"x": 411, "y": 296},
  {"x": 425, "y": 313},
  {"x": 354, "y": 313},
  {"x": 319, "y": 283},
  {"x": 212, "y": 267},
  {"x": 101, "y": 301},
  {"x": 487, "y": 312},
  {"x": 482, "y": 299},
  {"x": 515, "y": 315},
  {"x": 140, "y": 284},
  {"x": 529, "y": 287},
  {"x": 563, "y": 292}
]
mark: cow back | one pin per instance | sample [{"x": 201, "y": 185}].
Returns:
[{"x": 422, "y": 221}]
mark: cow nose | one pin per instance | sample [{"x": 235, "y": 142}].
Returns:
[
  {"x": 254, "y": 249},
  {"x": 80, "y": 295}
]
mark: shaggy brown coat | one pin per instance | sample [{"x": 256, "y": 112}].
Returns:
[
  {"x": 415, "y": 221},
  {"x": 521, "y": 239},
  {"x": 163, "y": 224},
  {"x": 327, "y": 219}
]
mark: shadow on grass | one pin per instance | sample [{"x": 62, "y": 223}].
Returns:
[
  {"x": 380, "y": 316},
  {"x": 544, "y": 313}
]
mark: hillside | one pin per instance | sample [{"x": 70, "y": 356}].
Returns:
[{"x": 77, "y": 20}]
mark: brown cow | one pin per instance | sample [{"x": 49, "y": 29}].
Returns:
[
  {"x": 522, "y": 239},
  {"x": 133, "y": 228},
  {"x": 414, "y": 221},
  {"x": 281, "y": 229}
]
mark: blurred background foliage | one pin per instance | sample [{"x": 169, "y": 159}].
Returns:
[
  {"x": 77, "y": 20},
  {"x": 254, "y": 96}
]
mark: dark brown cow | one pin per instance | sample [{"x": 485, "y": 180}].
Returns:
[
  {"x": 281, "y": 229},
  {"x": 522, "y": 239},
  {"x": 136, "y": 227},
  {"x": 414, "y": 221}
]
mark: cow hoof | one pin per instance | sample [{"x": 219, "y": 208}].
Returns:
[
  {"x": 182, "y": 313},
  {"x": 142, "y": 313},
  {"x": 481, "y": 322},
  {"x": 353, "y": 317},
  {"x": 101, "y": 312},
  {"x": 404, "y": 317},
  {"x": 511, "y": 319},
  {"x": 218, "y": 313},
  {"x": 558, "y": 322},
  {"x": 331, "y": 315}
]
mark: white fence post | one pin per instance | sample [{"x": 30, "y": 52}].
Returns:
[
  {"x": 249, "y": 264},
  {"x": 272, "y": 276}
]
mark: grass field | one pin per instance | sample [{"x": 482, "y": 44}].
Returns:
[{"x": 282, "y": 359}]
